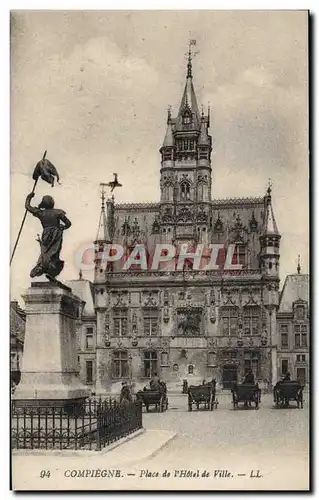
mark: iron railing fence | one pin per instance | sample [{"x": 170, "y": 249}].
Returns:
[{"x": 97, "y": 424}]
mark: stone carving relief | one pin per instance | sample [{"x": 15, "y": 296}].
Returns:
[
  {"x": 135, "y": 229},
  {"x": 189, "y": 321},
  {"x": 106, "y": 335},
  {"x": 150, "y": 299},
  {"x": 238, "y": 230},
  {"x": 218, "y": 226},
  {"x": 164, "y": 359},
  {"x": 165, "y": 343},
  {"x": 166, "y": 314},
  {"x": 119, "y": 299},
  {"x": 253, "y": 224},
  {"x": 185, "y": 215},
  {"x": 168, "y": 216},
  {"x": 126, "y": 230},
  {"x": 212, "y": 342},
  {"x": 156, "y": 227},
  {"x": 202, "y": 215}
]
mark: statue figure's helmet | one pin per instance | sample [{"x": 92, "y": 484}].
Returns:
[{"x": 47, "y": 202}]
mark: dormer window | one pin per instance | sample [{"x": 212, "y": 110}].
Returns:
[
  {"x": 187, "y": 119},
  {"x": 299, "y": 312}
]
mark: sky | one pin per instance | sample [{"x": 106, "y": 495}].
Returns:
[{"x": 92, "y": 88}]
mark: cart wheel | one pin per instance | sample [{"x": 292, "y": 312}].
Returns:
[{"x": 161, "y": 406}]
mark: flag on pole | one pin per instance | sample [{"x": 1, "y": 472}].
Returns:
[{"x": 46, "y": 170}]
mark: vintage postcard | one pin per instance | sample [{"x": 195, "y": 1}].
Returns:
[{"x": 159, "y": 309}]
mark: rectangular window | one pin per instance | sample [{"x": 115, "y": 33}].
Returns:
[
  {"x": 303, "y": 340},
  {"x": 284, "y": 366},
  {"x": 120, "y": 365},
  {"x": 284, "y": 328},
  {"x": 151, "y": 322},
  {"x": 89, "y": 342},
  {"x": 303, "y": 357},
  {"x": 251, "y": 320},
  {"x": 89, "y": 372},
  {"x": 284, "y": 340},
  {"x": 298, "y": 357},
  {"x": 120, "y": 321},
  {"x": 230, "y": 321},
  {"x": 239, "y": 256},
  {"x": 150, "y": 364},
  {"x": 297, "y": 340}
]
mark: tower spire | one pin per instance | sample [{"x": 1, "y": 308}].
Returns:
[
  {"x": 189, "y": 63},
  {"x": 270, "y": 225},
  {"x": 103, "y": 232},
  {"x": 188, "y": 104}
]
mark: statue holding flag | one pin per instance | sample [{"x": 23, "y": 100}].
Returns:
[{"x": 54, "y": 222}]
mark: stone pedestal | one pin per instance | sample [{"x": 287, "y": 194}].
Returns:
[{"x": 49, "y": 374}]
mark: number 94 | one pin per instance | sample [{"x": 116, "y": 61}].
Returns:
[{"x": 45, "y": 473}]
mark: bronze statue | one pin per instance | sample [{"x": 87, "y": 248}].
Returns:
[{"x": 54, "y": 222}]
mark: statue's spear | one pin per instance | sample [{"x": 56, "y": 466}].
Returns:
[{"x": 47, "y": 172}]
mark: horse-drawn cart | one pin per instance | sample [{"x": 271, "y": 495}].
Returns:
[
  {"x": 202, "y": 394},
  {"x": 288, "y": 391},
  {"x": 247, "y": 394},
  {"x": 157, "y": 398}
]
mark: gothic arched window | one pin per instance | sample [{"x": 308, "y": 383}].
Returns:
[{"x": 185, "y": 189}]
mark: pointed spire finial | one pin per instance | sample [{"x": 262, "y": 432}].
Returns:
[
  {"x": 203, "y": 112},
  {"x": 169, "y": 114},
  {"x": 102, "y": 186},
  {"x": 298, "y": 266},
  {"x": 269, "y": 189},
  {"x": 208, "y": 113},
  {"x": 103, "y": 233},
  {"x": 189, "y": 63},
  {"x": 80, "y": 274}
]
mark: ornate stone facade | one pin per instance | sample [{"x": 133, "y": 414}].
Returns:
[{"x": 188, "y": 324}]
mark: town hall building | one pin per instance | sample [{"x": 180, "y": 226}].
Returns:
[{"x": 184, "y": 323}]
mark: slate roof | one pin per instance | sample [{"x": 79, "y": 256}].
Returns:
[
  {"x": 84, "y": 290},
  {"x": 296, "y": 287}
]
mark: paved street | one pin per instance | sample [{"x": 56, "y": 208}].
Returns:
[
  {"x": 217, "y": 450},
  {"x": 273, "y": 441}
]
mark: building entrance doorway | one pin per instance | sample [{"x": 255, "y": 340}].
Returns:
[
  {"x": 301, "y": 375},
  {"x": 229, "y": 376}
]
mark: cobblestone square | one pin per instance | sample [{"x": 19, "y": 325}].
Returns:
[{"x": 273, "y": 441}]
